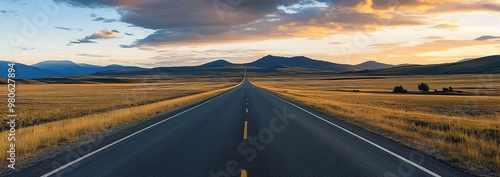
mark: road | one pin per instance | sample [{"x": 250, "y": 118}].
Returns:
[{"x": 244, "y": 132}]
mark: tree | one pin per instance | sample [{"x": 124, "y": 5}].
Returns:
[
  {"x": 450, "y": 89},
  {"x": 423, "y": 87},
  {"x": 400, "y": 89}
]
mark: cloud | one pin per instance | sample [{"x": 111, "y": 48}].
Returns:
[
  {"x": 129, "y": 34},
  {"x": 25, "y": 48},
  {"x": 103, "y": 34},
  {"x": 460, "y": 7},
  {"x": 92, "y": 55},
  {"x": 128, "y": 46},
  {"x": 434, "y": 38},
  {"x": 221, "y": 21},
  {"x": 309, "y": 23},
  {"x": 67, "y": 28},
  {"x": 441, "y": 49},
  {"x": 7, "y": 11},
  {"x": 81, "y": 41},
  {"x": 110, "y": 20},
  {"x": 102, "y": 19},
  {"x": 99, "y": 19},
  {"x": 486, "y": 38},
  {"x": 445, "y": 26},
  {"x": 389, "y": 45},
  {"x": 338, "y": 43}
]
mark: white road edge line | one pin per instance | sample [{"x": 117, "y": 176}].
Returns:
[
  {"x": 357, "y": 136},
  {"x": 133, "y": 134}
]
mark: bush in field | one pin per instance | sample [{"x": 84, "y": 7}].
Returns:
[
  {"x": 449, "y": 89},
  {"x": 423, "y": 87},
  {"x": 400, "y": 89}
]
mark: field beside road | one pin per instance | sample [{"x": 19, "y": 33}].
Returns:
[
  {"x": 53, "y": 114},
  {"x": 461, "y": 129}
]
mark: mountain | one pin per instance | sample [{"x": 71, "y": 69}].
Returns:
[
  {"x": 270, "y": 61},
  {"x": 218, "y": 63},
  {"x": 484, "y": 65},
  {"x": 65, "y": 67},
  {"x": 88, "y": 65},
  {"x": 119, "y": 68},
  {"x": 69, "y": 68},
  {"x": 28, "y": 72},
  {"x": 371, "y": 65}
]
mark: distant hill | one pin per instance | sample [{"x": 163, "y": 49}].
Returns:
[
  {"x": 69, "y": 68},
  {"x": 270, "y": 61},
  {"x": 27, "y": 72},
  {"x": 218, "y": 63},
  {"x": 484, "y": 65},
  {"x": 88, "y": 65},
  {"x": 65, "y": 67},
  {"x": 374, "y": 65},
  {"x": 119, "y": 68},
  {"x": 52, "y": 68}
]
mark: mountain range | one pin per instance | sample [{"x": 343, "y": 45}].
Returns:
[
  {"x": 269, "y": 63},
  {"x": 488, "y": 64},
  {"x": 483, "y": 65},
  {"x": 53, "y": 68},
  {"x": 373, "y": 65}
]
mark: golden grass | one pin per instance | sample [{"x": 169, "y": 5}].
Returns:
[
  {"x": 42, "y": 103},
  {"x": 479, "y": 84},
  {"x": 459, "y": 128},
  {"x": 34, "y": 139}
]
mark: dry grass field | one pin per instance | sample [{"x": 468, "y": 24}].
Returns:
[
  {"x": 42, "y": 103},
  {"x": 53, "y": 114},
  {"x": 461, "y": 129}
]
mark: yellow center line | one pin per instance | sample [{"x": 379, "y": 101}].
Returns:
[
  {"x": 243, "y": 173},
  {"x": 245, "y": 130}
]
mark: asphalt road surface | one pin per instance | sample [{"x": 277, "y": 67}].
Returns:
[{"x": 244, "y": 132}]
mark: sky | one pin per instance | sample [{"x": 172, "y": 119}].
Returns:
[{"x": 154, "y": 33}]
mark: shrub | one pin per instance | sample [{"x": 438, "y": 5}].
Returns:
[
  {"x": 449, "y": 89},
  {"x": 400, "y": 89},
  {"x": 423, "y": 87}
]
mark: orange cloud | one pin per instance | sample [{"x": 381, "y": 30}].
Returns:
[
  {"x": 445, "y": 26},
  {"x": 434, "y": 38},
  {"x": 423, "y": 53},
  {"x": 106, "y": 34},
  {"x": 460, "y": 7}
]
